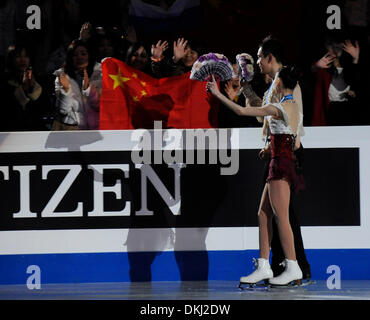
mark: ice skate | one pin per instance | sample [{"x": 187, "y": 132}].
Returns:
[
  {"x": 307, "y": 278},
  {"x": 262, "y": 273},
  {"x": 291, "y": 276}
]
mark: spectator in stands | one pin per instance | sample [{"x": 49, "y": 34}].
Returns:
[
  {"x": 78, "y": 90},
  {"x": 22, "y": 105},
  {"x": 185, "y": 54},
  {"x": 104, "y": 42},
  {"x": 137, "y": 57},
  {"x": 337, "y": 84},
  {"x": 10, "y": 19},
  {"x": 227, "y": 118},
  {"x": 105, "y": 46}
]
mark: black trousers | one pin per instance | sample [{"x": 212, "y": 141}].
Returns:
[
  {"x": 276, "y": 248},
  {"x": 343, "y": 113}
]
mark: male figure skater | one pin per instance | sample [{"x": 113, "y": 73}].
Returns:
[{"x": 270, "y": 56}]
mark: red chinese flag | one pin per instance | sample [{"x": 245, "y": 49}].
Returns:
[{"x": 131, "y": 100}]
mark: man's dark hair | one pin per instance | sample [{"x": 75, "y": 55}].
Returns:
[{"x": 273, "y": 46}]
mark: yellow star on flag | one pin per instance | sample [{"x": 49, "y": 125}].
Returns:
[
  {"x": 143, "y": 83},
  {"x": 144, "y": 93},
  {"x": 119, "y": 80},
  {"x": 136, "y": 99},
  {"x": 134, "y": 75}
]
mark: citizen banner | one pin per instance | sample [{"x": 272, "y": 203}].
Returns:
[{"x": 95, "y": 189}]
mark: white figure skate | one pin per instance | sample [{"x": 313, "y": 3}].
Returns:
[
  {"x": 292, "y": 275},
  {"x": 263, "y": 272}
]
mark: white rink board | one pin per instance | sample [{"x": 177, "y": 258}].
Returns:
[{"x": 183, "y": 239}]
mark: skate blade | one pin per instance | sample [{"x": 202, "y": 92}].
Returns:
[
  {"x": 308, "y": 282},
  {"x": 262, "y": 285},
  {"x": 292, "y": 284}
]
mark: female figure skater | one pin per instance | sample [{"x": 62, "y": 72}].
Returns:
[{"x": 283, "y": 119}]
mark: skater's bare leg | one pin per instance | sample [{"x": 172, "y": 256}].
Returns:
[
  {"x": 265, "y": 215},
  {"x": 279, "y": 193}
]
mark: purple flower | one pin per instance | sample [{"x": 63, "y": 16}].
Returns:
[{"x": 212, "y": 56}]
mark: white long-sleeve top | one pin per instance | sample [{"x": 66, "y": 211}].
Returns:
[{"x": 77, "y": 106}]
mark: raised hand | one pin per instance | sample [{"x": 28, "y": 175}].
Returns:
[
  {"x": 353, "y": 50},
  {"x": 325, "y": 61},
  {"x": 230, "y": 90},
  {"x": 179, "y": 49},
  {"x": 158, "y": 49},
  {"x": 85, "y": 32},
  {"x": 64, "y": 81},
  {"x": 212, "y": 86}
]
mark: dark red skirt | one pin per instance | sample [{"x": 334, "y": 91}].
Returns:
[{"x": 283, "y": 165}]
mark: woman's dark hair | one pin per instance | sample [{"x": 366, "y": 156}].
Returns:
[
  {"x": 273, "y": 46},
  {"x": 335, "y": 42},
  {"x": 132, "y": 49},
  {"x": 197, "y": 46},
  {"x": 114, "y": 37},
  {"x": 289, "y": 75},
  {"x": 13, "y": 52},
  {"x": 69, "y": 67}
]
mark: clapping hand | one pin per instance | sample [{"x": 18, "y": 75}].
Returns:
[
  {"x": 66, "y": 84},
  {"x": 64, "y": 81},
  {"x": 86, "y": 81},
  {"x": 28, "y": 80}
]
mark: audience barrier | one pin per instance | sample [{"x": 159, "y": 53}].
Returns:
[{"x": 80, "y": 207}]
